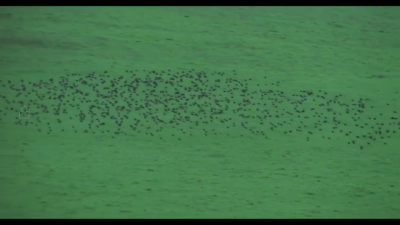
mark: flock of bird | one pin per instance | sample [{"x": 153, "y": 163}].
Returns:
[{"x": 179, "y": 104}]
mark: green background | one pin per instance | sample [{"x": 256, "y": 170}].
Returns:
[{"x": 349, "y": 50}]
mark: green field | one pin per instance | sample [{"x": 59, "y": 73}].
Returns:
[{"x": 349, "y": 50}]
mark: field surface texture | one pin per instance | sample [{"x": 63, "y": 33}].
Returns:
[{"x": 199, "y": 112}]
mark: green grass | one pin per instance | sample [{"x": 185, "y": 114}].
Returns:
[{"x": 349, "y": 50}]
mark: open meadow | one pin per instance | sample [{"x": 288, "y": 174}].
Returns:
[{"x": 200, "y": 112}]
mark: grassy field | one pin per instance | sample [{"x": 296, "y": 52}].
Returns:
[{"x": 351, "y": 50}]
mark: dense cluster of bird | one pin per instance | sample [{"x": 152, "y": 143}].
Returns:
[{"x": 179, "y": 104}]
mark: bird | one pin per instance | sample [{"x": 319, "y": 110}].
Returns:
[{"x": 180, "y": 104}]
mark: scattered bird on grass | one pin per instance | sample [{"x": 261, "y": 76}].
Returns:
[{"x": 180, "y": 104}]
